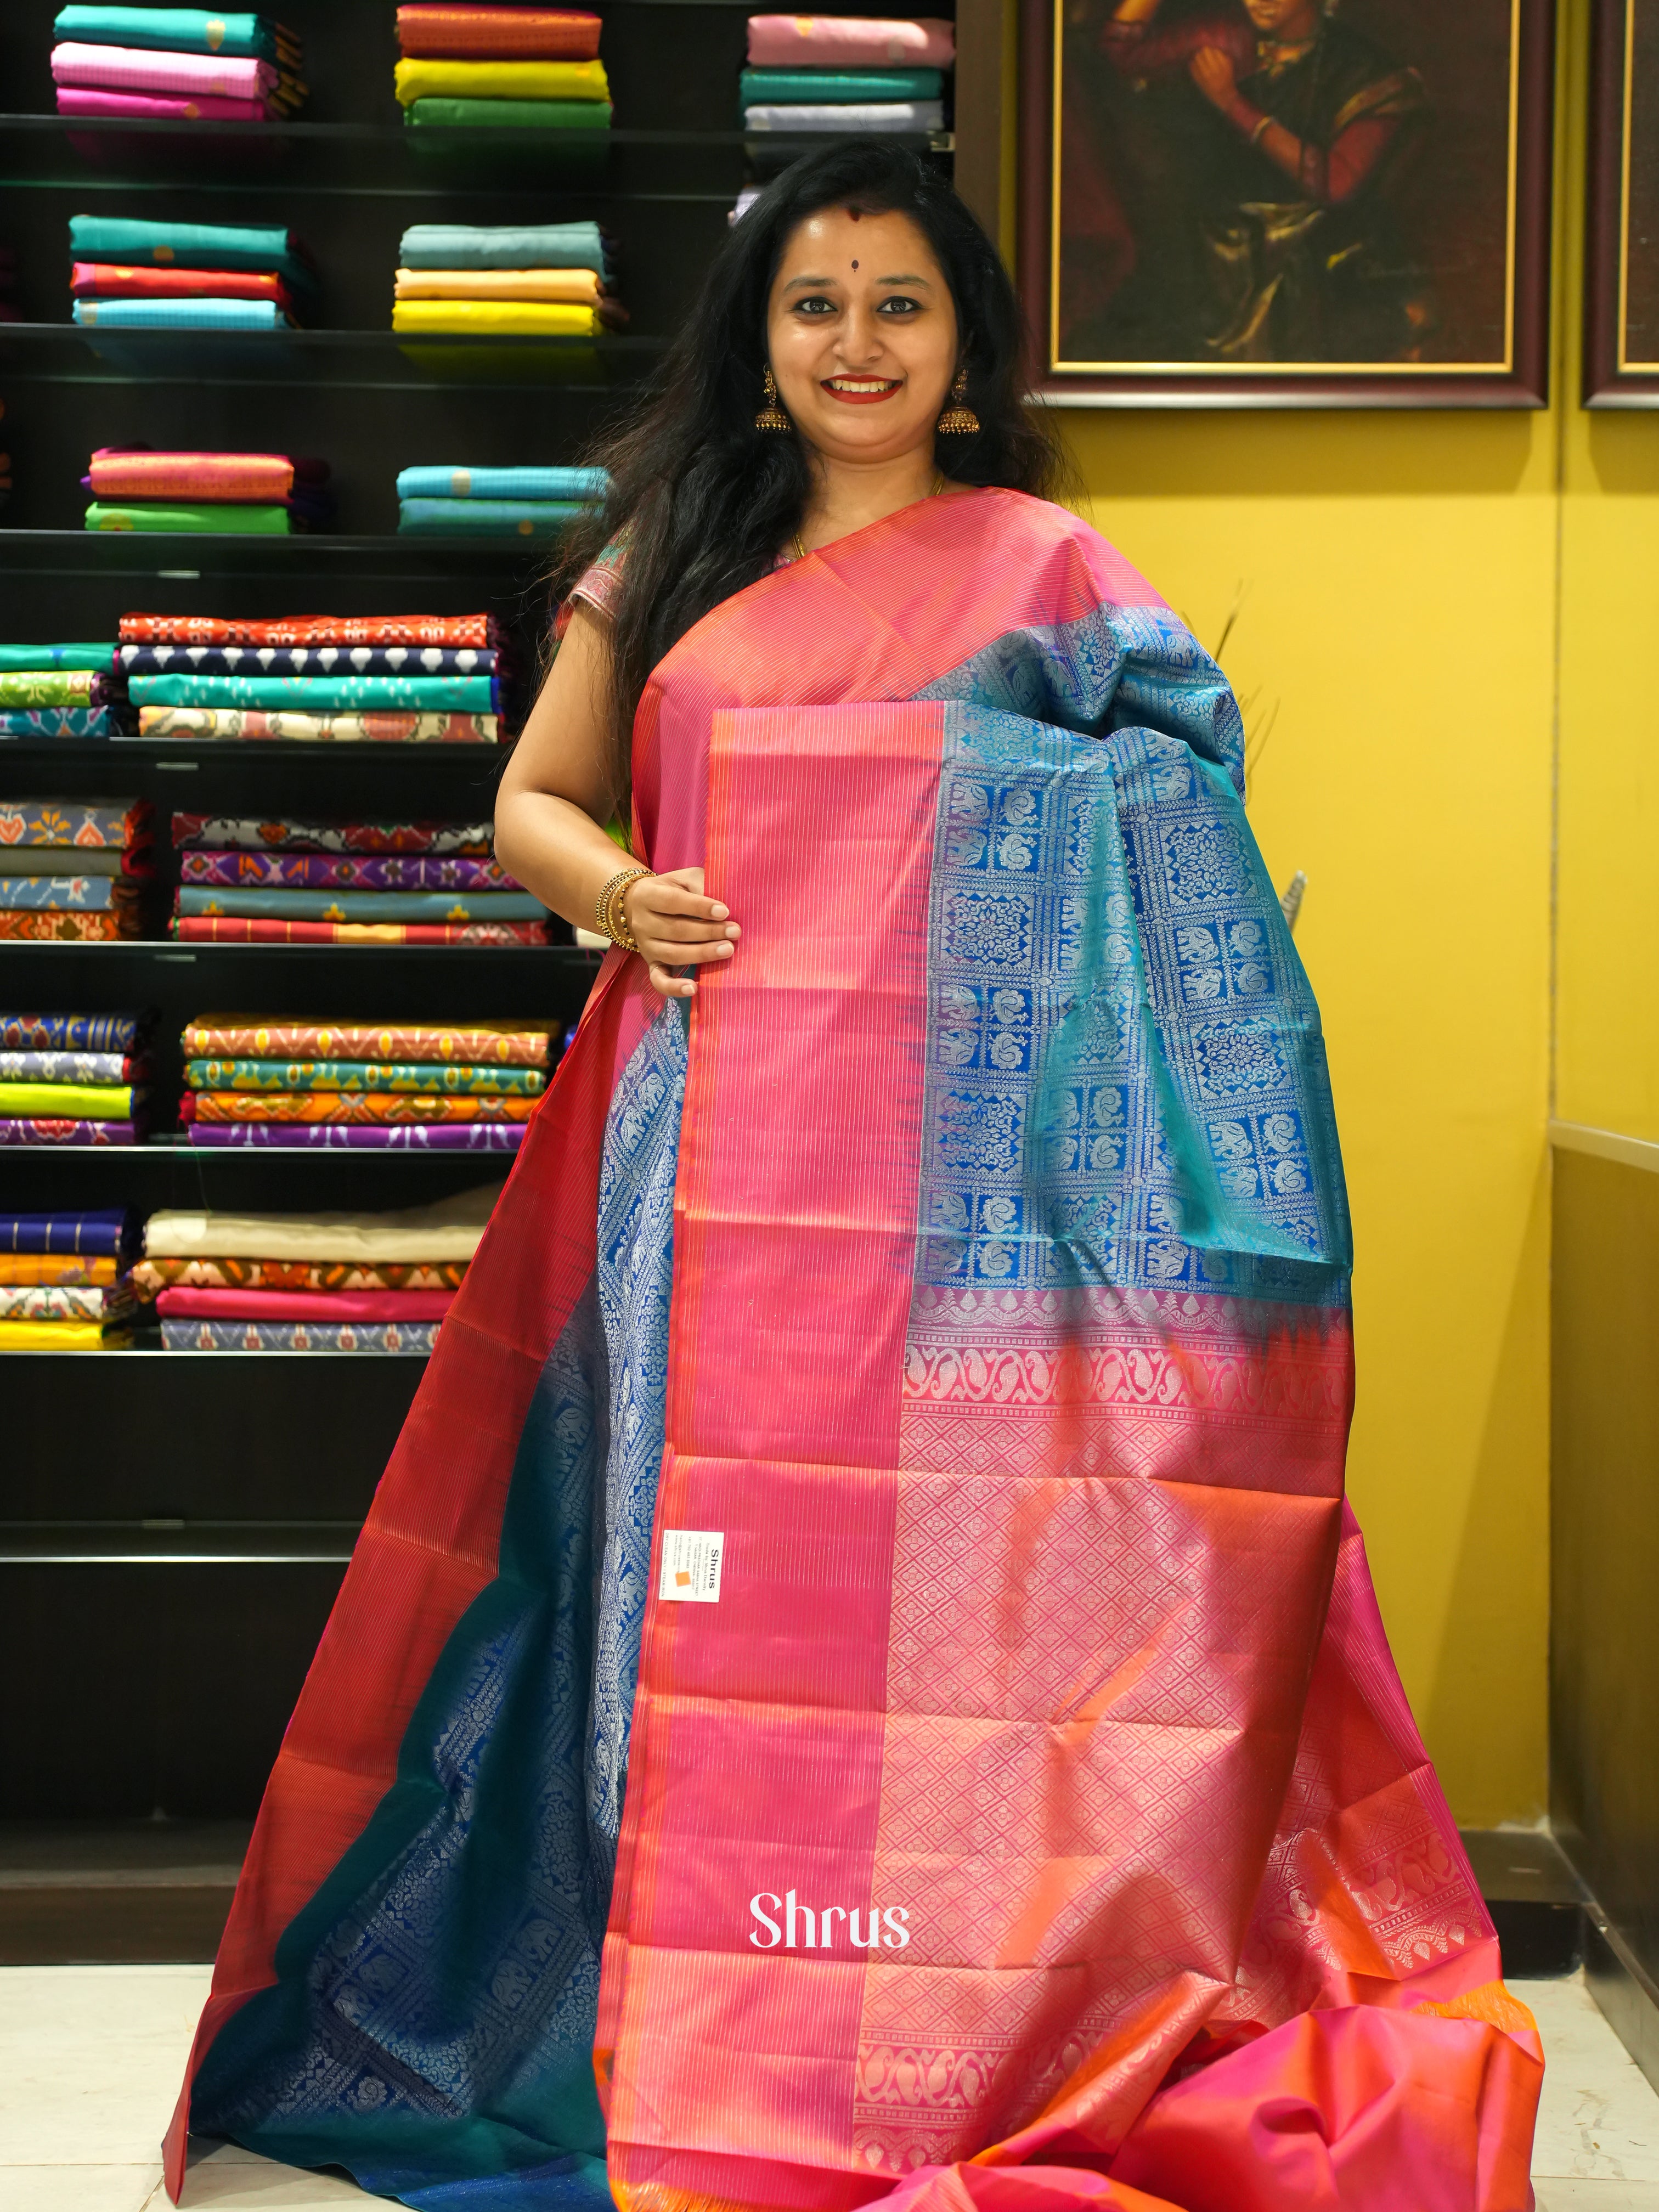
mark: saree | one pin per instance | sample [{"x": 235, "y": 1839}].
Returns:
[
  {"x": 308, "y": 660},
  {"x": 423, "y": 1076},
  {"x": 442, "y": 33},
  {"x": 241, "y": 929},
  {"x": 408, "y": 1337},
  {"x": 105, "y": 280},
  {"x": 849, "y": 42},
  {"x": 189, "y": 245},
  {"x": 859, "y": 1681},
  {"x": 505, "y": 1044},
  {"x": 321, "y": 695},
  {"x": 311, "y": 629},
  {"x": 332, "y": 1136},
  {"x": 258, "y": 723},
  {"x": 362, "y": 871}
]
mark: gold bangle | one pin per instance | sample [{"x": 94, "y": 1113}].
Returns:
[{"x": 608, "y": 911}]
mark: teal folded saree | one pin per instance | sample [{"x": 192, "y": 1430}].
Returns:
[
  {"x": 321, "y": 695},
  {"x": 174, "y": 30},
  {"x": 143, "y": 244},
  {"x": 363, "y": 906},
  {"x": 838, "y": 87},
  {"x": 487, "y": 518}
]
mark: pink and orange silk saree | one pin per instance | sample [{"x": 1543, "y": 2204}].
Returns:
[{"x": 859, "y": 1681}]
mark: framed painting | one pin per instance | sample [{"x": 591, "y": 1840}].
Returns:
[
  {"x": 1288, "y": 202},
  {"x": 1621, "y": 298}
]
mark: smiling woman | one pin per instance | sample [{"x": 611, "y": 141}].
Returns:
[{"x": 889, "y": 1446}]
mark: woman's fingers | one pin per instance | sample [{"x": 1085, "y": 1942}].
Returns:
[
  {"x": 680, "y": 956},
  {"x": 672, "y": 986}
]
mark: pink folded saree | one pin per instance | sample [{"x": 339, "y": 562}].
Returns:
[
  {"x": 84, "y": 99},
  {"x": 844, "y": 42},
  {"x": 859, "y": 1682},
  {"x": 132, "y": 69},
  {"x": 183, "y": 1302}
]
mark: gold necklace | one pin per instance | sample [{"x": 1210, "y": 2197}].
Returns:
[{"x": 800, "y": 549}]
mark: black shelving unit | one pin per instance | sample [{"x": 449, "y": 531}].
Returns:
[{"x": 174, "y": 1525}]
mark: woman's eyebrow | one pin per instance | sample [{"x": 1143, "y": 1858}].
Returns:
[
  {"x": 903, "y": 280},
  {"x": 818, "y": 281}
]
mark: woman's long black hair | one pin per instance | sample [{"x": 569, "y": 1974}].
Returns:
[{"x": 706, "y": 499}]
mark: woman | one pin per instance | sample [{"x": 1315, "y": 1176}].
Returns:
[{"x": 858, "y": 1664}]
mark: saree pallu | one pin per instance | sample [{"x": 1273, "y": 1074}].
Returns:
[
  {"x": 299, "y": 835},
  {"x": 451, "y": 908},
  {"x": 280, "y": 724},
  {"x": 62, "y": 1336},
  {"x": 26, "y": 1270},
  {"x": 306, "y": 660},
  {"x": 75, "y": 821},
  {"x": 299, "y": 1336},
  {"x": 52, "y": 1129},
  {"x": 427, "y": 29},
  {"x": 849, "y": 42},
  {"x": 341, "y": 1107},
  {"x": 458, "y": 1079},
  {"x": 527, "y": 1044},
  {"x": 353, "y": 871},
  {"x": 56, "y": 722},
  {"x": 48, "y": 925},
  {"x": 223, "y": 929},
  {"x": 68, "y": 1033},
  {"x": 186, "y": 1303},
  {"x": 498, "y": 246},
  {"x": 320, "y": 695},
  {"x": 150, "y": 1276},
  {"x": 1027, "y": 1807},
  {"x": 311, "y": 629},
  {"x": 188, "y": 245},
  {"x": 563, "y": 82},
  {"x": 330, "y": 1136}
]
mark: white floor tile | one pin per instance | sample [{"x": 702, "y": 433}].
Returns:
[
  {"x": 231, "y": 2176},
  {"x": 1599, "y": 2117},
  {"x": 79, "y": 2188},
  {"x": 1598, "y": 2196},
  {"x": 91, "y": 2058}
]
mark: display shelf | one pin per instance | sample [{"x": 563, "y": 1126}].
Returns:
[
  {"x": 95, "y": 552},
  {"x": 165, "y": 1543}
]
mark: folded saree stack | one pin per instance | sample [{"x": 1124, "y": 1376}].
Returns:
[
  {"x": 844, "y": 73},
  {"x": 225, "y": 495},
  {"x": 176, "y": 64},
  {"x": 546, "y": 280},
  {"x": 128, "y": 275},
  {"x": 407, "y": 679},
  {"x": 74, "y": 867},
  {"x": 67, "y": 690},
  {"x": 274, "y": 882},
  {"x": 525, "y": 502},
  {"x": 324, "y": 1282},
  {"x": 72, "y": 1079},
  {"x": 65, "y": 1284},
  {"x": 529, "y": 68},
  {"x": 293, "y": 1083}
]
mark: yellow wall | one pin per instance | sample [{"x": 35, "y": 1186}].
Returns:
[{"x": 1394, "y": 578}]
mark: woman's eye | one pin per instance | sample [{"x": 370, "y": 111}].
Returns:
[
  {"x": 814, "y": 304},
  {"x": 897, "y": 304}
]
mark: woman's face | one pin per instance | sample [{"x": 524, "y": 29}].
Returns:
[
  {"x": 1284, "y": 19},
  {"x": 862, "y": 332}
]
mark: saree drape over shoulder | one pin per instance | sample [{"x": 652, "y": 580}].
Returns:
[{"x": 859, "y": 1680}]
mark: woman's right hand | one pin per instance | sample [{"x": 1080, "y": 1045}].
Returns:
[{"x": 676, "y": 927}]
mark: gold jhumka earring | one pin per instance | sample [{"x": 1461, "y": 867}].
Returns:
[
  {"x": 772, "y": 417},
  {"x": 958, "y": 420}
]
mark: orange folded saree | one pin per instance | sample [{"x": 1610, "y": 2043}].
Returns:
[{"x": 859, "y": 1682}]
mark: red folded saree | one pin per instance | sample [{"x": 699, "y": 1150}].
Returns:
[
  {"x": 104, "y": 280},
  {"x": 222, "y": 929},
  {"x": 880, "y": 1523},
  {"x": 310, "y": 630},
  {"x": 181, "y": 1302},
  {"x": 443, "y": 33},
  {"x": 117, "y": 475}
]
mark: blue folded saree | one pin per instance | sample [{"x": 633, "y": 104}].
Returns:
[
  {"x": 503, "y": 483},
  {"x": 534, "y": 246},
  {"x": 141, "y": 245},
  {"x": 24, "y": 660},
  {"x": 321, "y": 695},
  {"x": 174, "y": 30},
  {"x": 105, "y": 1234},
  {"x": 363, "y": 906},
  {"x": 55, "y": 722},
  {"x": 488, "y": 518},
  {"x": 180, "y": 315}
]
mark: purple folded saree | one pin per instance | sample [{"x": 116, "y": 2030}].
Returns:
[
  {"x": 41, "y": 1132},
  {"x": 387, "y": 1137}
]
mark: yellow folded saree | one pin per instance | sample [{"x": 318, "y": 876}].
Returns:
[
  {"x": 545, "y": 319},
  {"x": 61, "y": 1336},
  {"x": 415, "y": 80},
  {"x": 576, "y": 287}
]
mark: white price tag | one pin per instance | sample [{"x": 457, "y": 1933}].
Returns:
[{"x": 691, "y": 1566}]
